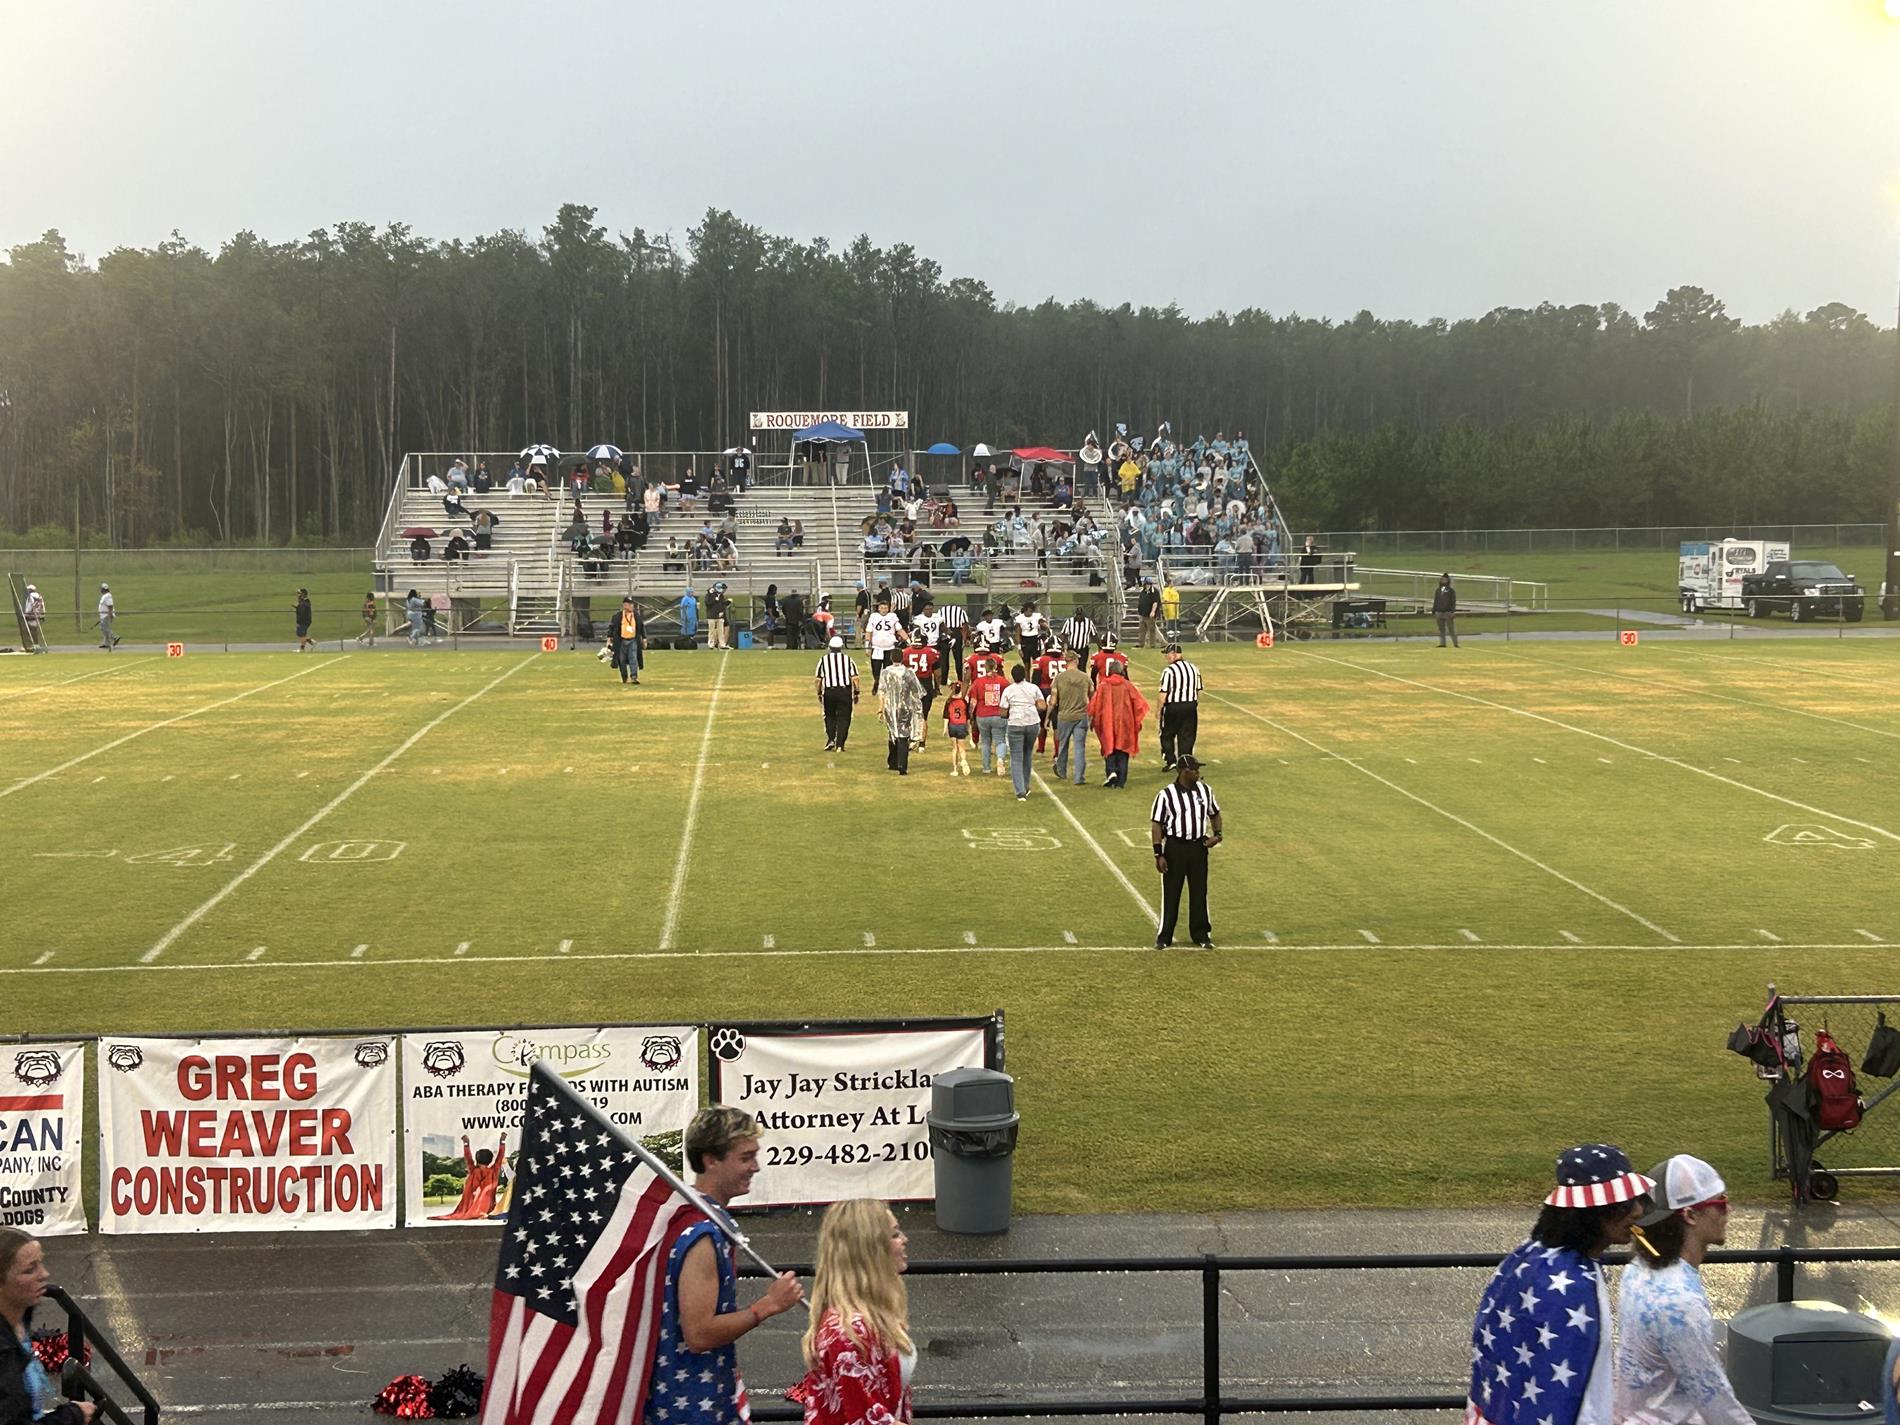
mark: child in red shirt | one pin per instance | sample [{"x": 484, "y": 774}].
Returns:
[{"x": 956, "y": 723}]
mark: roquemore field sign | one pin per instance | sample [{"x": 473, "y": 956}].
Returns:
[{"x": 857, "y": 420}]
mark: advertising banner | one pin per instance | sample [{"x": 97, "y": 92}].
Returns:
[
  {"x": 247, "y": 1135},
  {"x": 842, "y": 1113},
  {"x": 866, "y": 421},
  {"x": 42, "y": 1122},
  {"x": 463, "y": 1093}
]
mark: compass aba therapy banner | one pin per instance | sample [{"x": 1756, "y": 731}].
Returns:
[
  {"x": 247, "y": 1135},
  {"x": 463, "y": 1093}
]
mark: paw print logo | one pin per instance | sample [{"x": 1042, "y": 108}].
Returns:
[
  {"x": 660, "y": 1052},
  {"x": 125, "y": 1057},
  {"x": 371, "y": 1053},
  {"x": 442, "y": 1058},
  {"x": 727, "y": 1043},
  {"x": 36, "y": 1068}
]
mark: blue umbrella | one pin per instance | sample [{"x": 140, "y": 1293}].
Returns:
[
  {"x": 943, "y": 447},
  {"x": 604, "y": 452}
]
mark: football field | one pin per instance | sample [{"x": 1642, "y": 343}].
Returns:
[{"x": 1472, "y": 904}]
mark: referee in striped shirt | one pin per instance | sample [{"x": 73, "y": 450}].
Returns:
[
  {"x": 1078, "y": 635},
  {"x": 1180, "y": 707},
  {"x": 837, "y": 684},
  {"x": 1184, "y": 823},
  {"x": 956, "y": 628}
]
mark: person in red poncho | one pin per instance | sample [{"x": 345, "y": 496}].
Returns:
[
  {"x": 1116, "y": 712},
  {"x": 478, "y": 1188},
  {"x": 858, "y": 1346}
]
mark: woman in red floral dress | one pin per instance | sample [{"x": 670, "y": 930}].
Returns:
[{"x": 858, "y": 1345}]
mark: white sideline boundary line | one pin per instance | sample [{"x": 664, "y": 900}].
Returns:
[
  {"x": 195, "y": 712},
  {"x": 1451, "y": 816},
  {"x": 676, "y": 893},
  {"x": 1698, "y": 692},
  {"x": 62, "y": 682},
  {"x": 1462, "y": 949},
  {"x": 1612, "y": 741},
  {"x": 165, "y": 941},
  {"x": 1153, "y": 915}
]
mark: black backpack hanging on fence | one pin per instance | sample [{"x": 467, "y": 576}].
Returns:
[
  {"x": 1883, "y": 1050},
  {"x": 1837, "y": 1106}
]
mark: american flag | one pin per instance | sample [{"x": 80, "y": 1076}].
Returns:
[
  {"x": 1535, "y": 1340},
  {"x": 582, "y": 1279}
]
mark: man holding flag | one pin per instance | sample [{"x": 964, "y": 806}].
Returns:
[{"x": 613, "y": 1301}]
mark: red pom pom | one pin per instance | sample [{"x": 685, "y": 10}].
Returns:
[
  {"x": 405, "y": 1397},
  {"x": 49, "y": 1344}
]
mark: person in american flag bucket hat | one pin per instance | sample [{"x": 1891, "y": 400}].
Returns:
[{"x": 1541, "y": 1343}]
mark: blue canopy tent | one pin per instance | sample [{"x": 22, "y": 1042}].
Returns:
[{"x": 818, "y": 440}]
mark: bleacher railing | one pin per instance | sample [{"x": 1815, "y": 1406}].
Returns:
[
  {"x": 78, "y": 1383},
  {"x": 1215, "y": 1403}
]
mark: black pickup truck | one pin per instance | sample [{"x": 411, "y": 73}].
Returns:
[{"x": 1806, "y": 588}]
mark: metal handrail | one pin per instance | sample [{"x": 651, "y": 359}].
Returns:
[
  {"x": 1213, "y": 1404},
  {"x": 78, "y": 1332}
]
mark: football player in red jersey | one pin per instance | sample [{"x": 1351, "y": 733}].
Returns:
[
  {"x": 922, "y": 660},
  {"x": 1108, "y": 654},
  {"x": 984, "y": 660},
  {"x": 1048, "y": 663}
]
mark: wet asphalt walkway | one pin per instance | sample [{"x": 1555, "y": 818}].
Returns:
[{"x": 307, "y": 1327}]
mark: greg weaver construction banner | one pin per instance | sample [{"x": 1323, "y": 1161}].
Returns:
[
  {"x": 247, "y": 1135},
  {"x": 842, "y": 1112},
  {"x": 463, "y": 1092},
  {"x": 42, "y": 1118}
]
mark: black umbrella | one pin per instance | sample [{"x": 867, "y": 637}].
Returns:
[
  {"x": 1791, "y": 1106},
  {"x": 958, "y": 545}
]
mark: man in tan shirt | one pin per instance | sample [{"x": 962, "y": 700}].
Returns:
[{"x": 1069, "y": 715}]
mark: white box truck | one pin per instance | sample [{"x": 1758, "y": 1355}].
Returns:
[{"x": 1709, "y": 573}]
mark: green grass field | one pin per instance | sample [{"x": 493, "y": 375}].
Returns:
[{"x": 1472, "y": 906}]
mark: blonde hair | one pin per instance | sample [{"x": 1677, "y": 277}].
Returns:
[{"x": 857, "y": 1279}]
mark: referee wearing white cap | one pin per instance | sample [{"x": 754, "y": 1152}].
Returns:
[
  {"x": 1180, "y": 707},
  {"x": 1184, "y": 823},
  {"x": 837, "y": 684}
]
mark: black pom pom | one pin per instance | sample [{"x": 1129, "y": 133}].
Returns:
[{"x": 457, "y": 1395}]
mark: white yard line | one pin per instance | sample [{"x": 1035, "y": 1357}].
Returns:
[
  {"x": 1746, "y": 659},
  {"x": 676, "y": 894},
  {"x": 1153, "y": 915},
  {"x": 195, "y": 712},
  {"x": 62, "y": 682},
  {"x": 1450, "y": 816},
  {"x": 1694, "y": 692},
  {"x": 165, "y": 941},
  {"x": 366, "y": 966},
  {"x": 1606, "y": 738}
]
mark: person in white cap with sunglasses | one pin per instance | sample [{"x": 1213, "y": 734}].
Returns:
[
  {"x": 1668, "y": 1367},
  {"x": 1540, "y": 1347}
]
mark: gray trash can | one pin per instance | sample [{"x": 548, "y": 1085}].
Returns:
[
  {"x": 1794, "y": 1362},
  {"x": 973, "y": 1123}
]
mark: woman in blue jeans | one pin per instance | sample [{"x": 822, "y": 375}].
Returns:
[{"x": 1022, "y": 707}]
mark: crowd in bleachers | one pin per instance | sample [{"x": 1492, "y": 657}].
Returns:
[{"x": 1194, "y": 505}]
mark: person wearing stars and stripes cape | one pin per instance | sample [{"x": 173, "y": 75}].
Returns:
[{"x": 1540, "y": 1346}]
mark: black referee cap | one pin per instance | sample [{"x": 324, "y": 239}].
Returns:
[{"x": 1189, "y": 760}]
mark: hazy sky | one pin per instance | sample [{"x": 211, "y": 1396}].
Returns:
[{"x": 1416, "y": 157}]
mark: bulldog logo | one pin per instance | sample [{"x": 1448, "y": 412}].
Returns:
[
  {"x": 660, "y": 1052},
  {"x": 125, "y": 1057},
  {"x": 36, "y": 1068},
  {"x": 727, "y": 1043},
  {"x": 372, "y": 1052},
  {"x": 442, "y": 1058}
]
